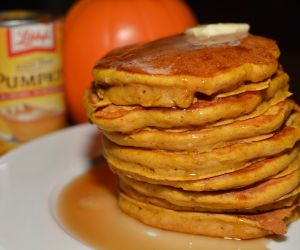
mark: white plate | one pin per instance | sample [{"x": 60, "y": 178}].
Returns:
[{"x": 30, "y": 180}]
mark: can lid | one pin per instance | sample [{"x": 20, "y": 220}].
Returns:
[{"x": 11, "y": 18}]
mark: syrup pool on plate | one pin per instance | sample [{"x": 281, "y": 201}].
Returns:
[{"x": 88, "y": 210}]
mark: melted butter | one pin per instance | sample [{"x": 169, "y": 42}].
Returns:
[
  {"x": 212, "y": 34},
  {"x": 88, "y": 210}
]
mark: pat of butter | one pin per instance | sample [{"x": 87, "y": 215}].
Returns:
[{"x": 219, "y": 29}]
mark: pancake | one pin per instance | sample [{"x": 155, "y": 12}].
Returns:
[
  {"x": 294, "y": 193},
  {"x": 285, "y": 201},
  {"x": 159, "y": 96},
  {"x": 251, "y": 197},
  {"x": 277, "y": 92},
  {"x": 126, "y": 119},
  {"x": 291, "y": 167},
  {"x": 258, "y": 171},
  {"x": 206, "y": 138},
  {"x": 200, "y": 130},
  {"x": 173, "y": 62},
  {"x": 217, "y": 225},
  {"x": 176, "y": 166}
]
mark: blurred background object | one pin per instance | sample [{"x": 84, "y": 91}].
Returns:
[
  {"x": 275, "y": 19},
  {"x": 32, "y": 99}
]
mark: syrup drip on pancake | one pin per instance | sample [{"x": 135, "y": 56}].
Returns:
[{"x": 168, "y": 55}]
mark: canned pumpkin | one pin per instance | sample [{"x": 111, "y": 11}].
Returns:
[{"x": 31, "y": 90}]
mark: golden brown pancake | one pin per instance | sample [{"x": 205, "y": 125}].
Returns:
[
  {"x": 126, "y": 119},
  {"x": 285, "y": 201},
  {"x": 251, "y": 197},
  {"x": 294, "y": 193},
  {"x": 210, "y": 224},
  {"x": 206, "y": 138},
  {"x": 159, "y": 96},
  {"x": 176, "y": 166},
  {"x": 175, "y": 61},
  {"x": 291, "y": 167},
  {"x": 279, "y": 166},
  {"x": 277, "y": 92}
]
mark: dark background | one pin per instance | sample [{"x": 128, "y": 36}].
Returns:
[{"x": 276, "y": 19}]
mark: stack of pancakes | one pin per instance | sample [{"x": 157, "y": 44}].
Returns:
[{"x": 201, "y": 133}]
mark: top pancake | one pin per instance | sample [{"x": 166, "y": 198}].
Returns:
[{"x": 183, "y": 61}]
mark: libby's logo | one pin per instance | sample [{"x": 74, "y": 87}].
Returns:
[{"x": 37, "y": 37}]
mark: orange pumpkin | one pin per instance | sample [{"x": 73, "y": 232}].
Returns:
[{"x": 93, "y": 27}]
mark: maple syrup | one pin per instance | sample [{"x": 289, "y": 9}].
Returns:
[{"x": 88, "y": 210}]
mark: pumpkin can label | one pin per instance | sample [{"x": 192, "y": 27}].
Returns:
[{"x": 31, "y": 90}]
